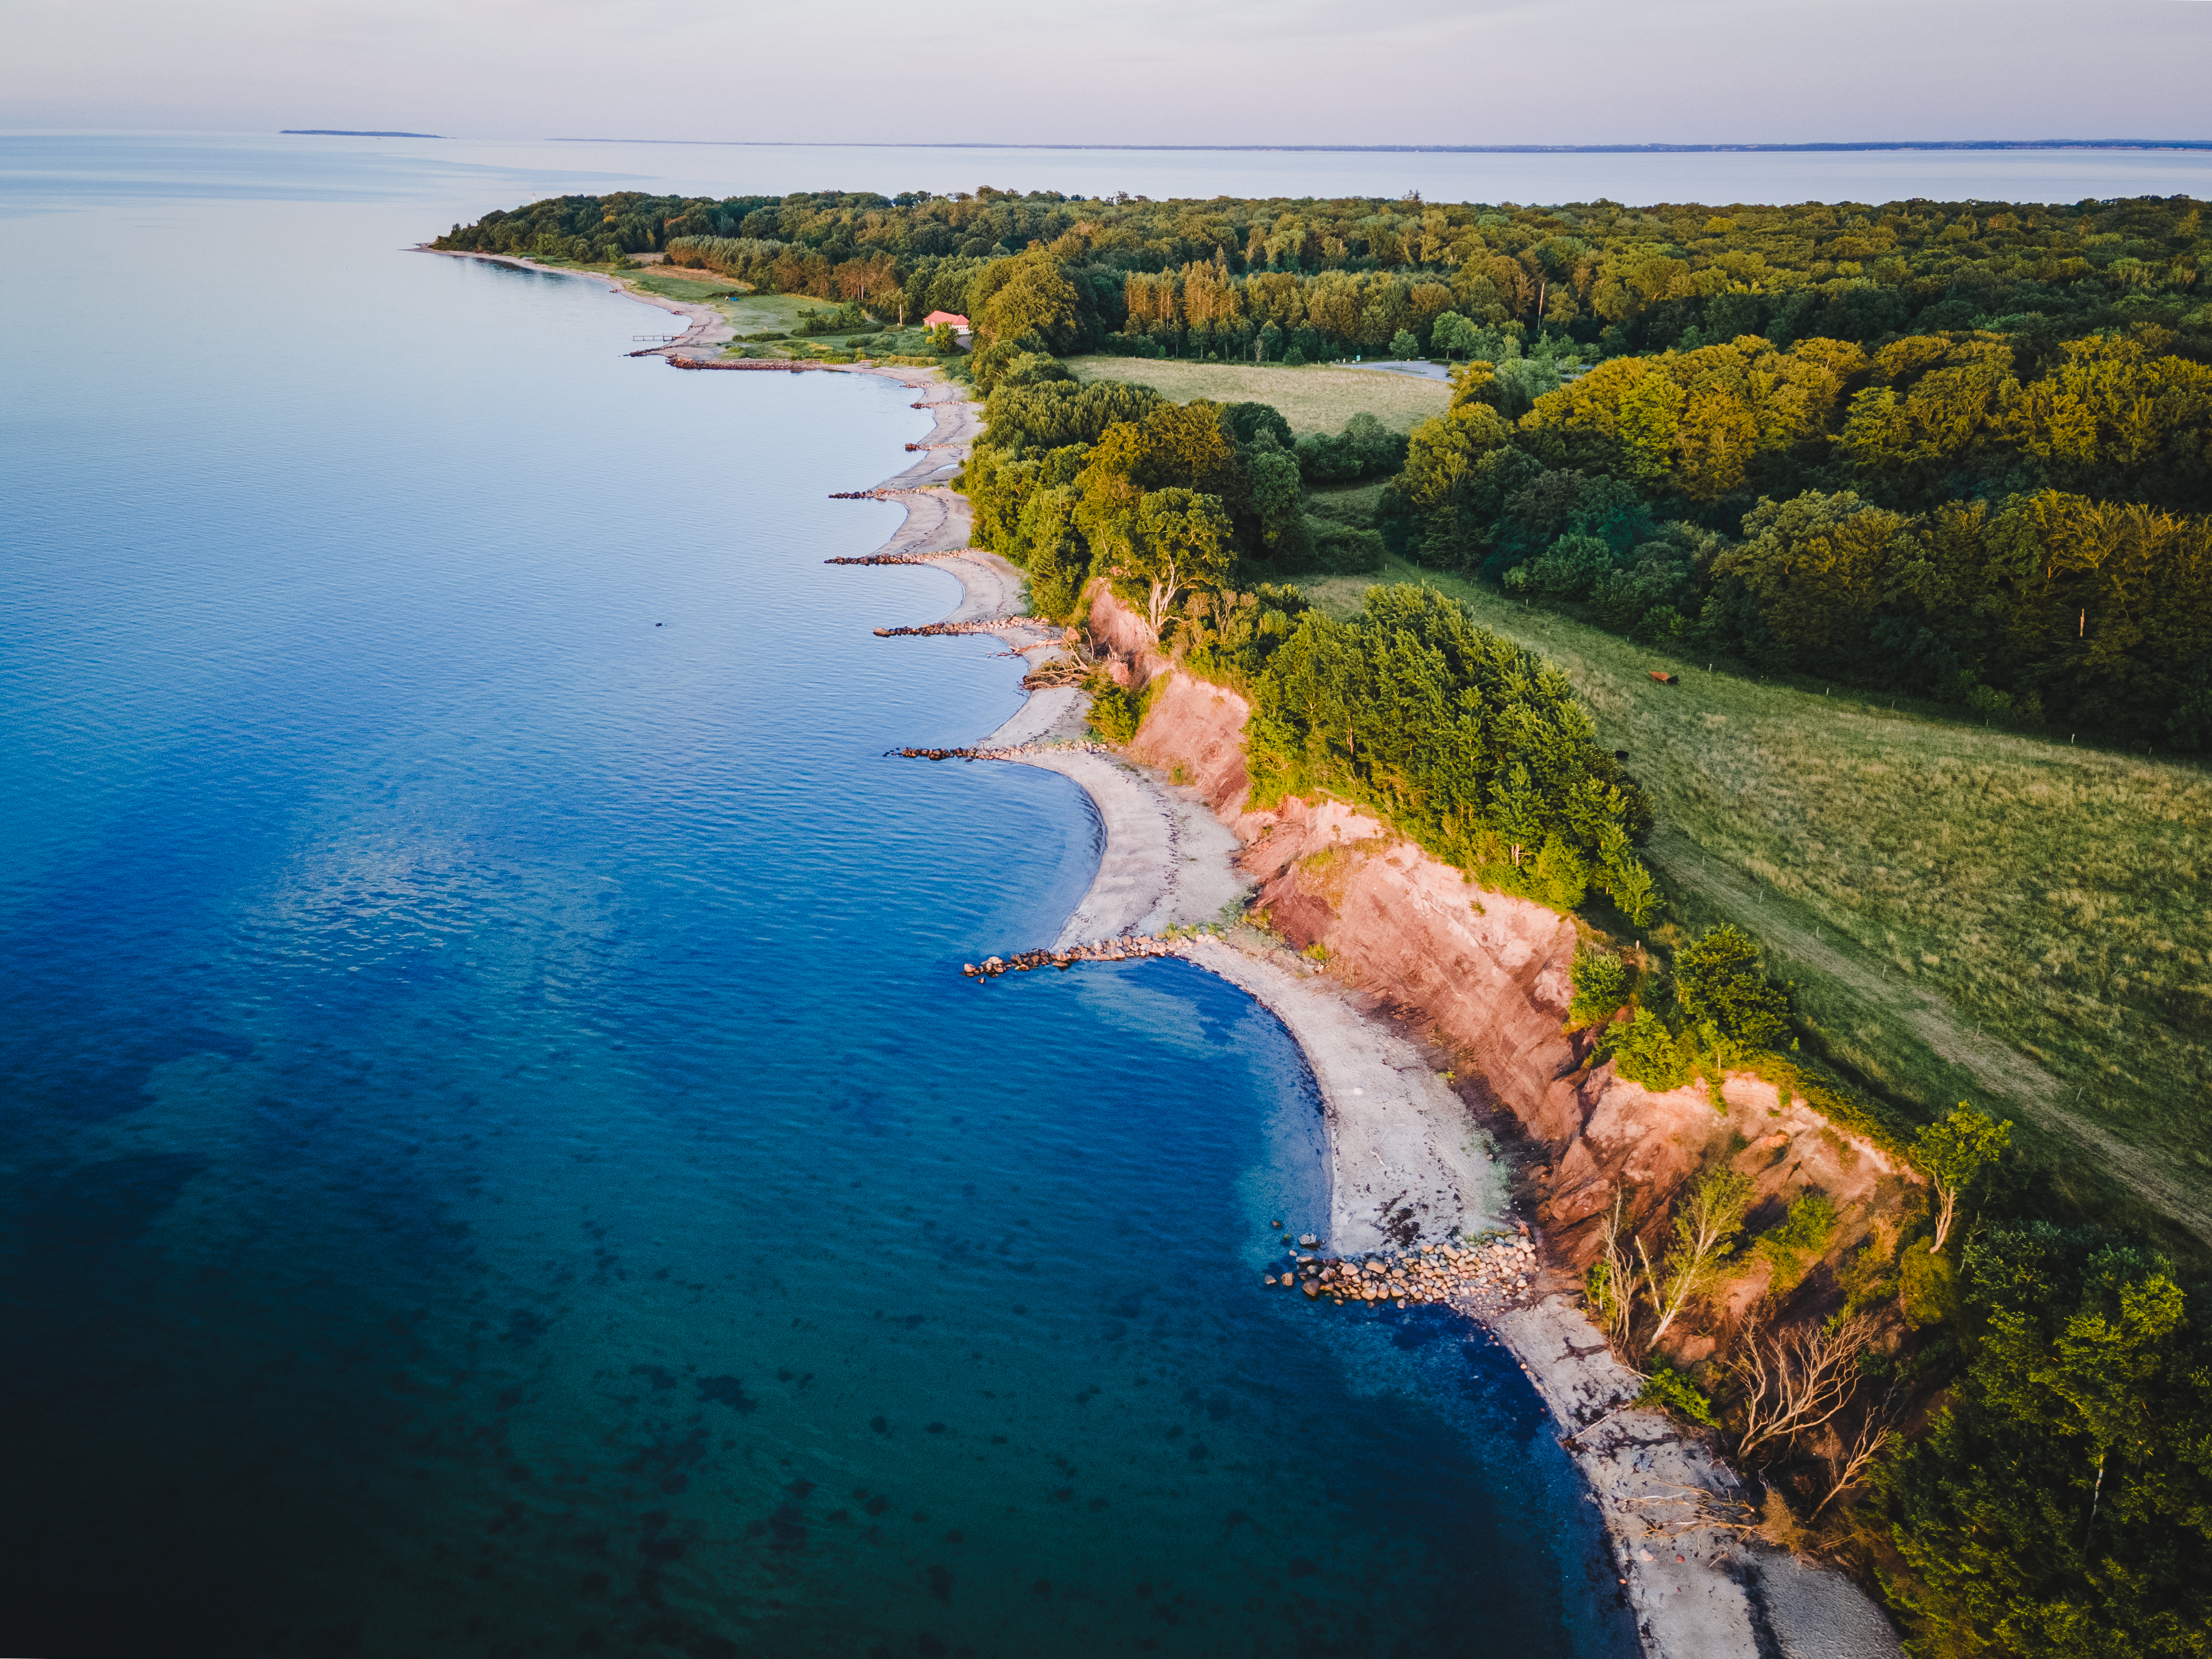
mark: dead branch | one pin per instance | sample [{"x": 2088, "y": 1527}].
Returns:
[
  {"x": 1875, "y": 1431},
  {"x": 1794, "y": 1381}
]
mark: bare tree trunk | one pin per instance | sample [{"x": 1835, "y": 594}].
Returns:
[
  {"x": 1874, "y": 1432},
  {"x": 1619, "y": 1275},
  {"x": 1947, "y": 1206},
  {"x": 1703, "y": 1227},
  {"x": 1794, "y": 1381}
]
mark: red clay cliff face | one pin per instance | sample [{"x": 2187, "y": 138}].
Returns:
[
  {"x": 1124, "y": 639},
  {"x": 1489, "y": 973}
]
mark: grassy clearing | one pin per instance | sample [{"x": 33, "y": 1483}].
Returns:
[
  {"x": 1318, "y": 398},
  {"x": 1968, "y": 914},
  {"x": 757, "y": 313},
  {"x": 670, "y": 286}
]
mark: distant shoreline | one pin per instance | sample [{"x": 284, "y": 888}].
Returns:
[{"x": 1867, "y": 146}]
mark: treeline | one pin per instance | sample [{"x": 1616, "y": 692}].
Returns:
[
  {"x": 2019, "y": 531},
  {"x": 1055, "y": 455},
  {"x": 1465, "y": 742},
  {"x": 1614, "y": 278}
]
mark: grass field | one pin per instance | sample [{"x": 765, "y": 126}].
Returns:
[
  {"x": 757, "y": 313},
  {"x": 1319, "y": 399},
  {"x": 1968, "y": 914},
  {"x": 670, "y": 286}
]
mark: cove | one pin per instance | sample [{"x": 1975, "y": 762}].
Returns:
[{"x": 503, "y": 1158}]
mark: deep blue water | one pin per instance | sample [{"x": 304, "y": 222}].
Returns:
[{"x": 500, "y": 1157}]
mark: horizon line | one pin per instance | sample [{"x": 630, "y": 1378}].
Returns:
[{"x": 1858, "y": 146}]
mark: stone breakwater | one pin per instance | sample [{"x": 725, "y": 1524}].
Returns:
[
  {"x": 1130, "y": 947},
  {"x": 1009, "y": 751},
  {"x": 1480, "y": 1277},
  {"x": 996, "y": 625},
  {"x": 759, "y": 365},
  {"x": 890, "y": 558}
]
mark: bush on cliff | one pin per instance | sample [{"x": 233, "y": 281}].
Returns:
[
  {"x": 1601, "y": 983},
  {"x": 1471, "y": 746}
]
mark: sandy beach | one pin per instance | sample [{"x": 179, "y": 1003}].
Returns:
[{"x": 1409, "y": 1164}]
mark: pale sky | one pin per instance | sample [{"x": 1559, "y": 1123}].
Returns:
[{"x": 1121, "y": 71}]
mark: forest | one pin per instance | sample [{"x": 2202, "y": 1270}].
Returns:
[
  {"x": 1214, "y": 276},
  {"x": 2017, "y": 528}
]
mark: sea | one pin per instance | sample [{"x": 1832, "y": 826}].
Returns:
[{"x": 499, "y": 1156}]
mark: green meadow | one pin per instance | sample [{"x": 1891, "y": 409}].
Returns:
[{"x": 1968, "y": 912}]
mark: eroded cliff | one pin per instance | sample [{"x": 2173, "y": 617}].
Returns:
[{"x": 1484, "y": 975}]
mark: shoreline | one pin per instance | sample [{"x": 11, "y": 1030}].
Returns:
[
  {"x": 1402, "y": 1145},
  {"x": 707, "y": 326}
]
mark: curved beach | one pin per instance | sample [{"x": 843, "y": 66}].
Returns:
[{"x": 1407, "y": 1163}]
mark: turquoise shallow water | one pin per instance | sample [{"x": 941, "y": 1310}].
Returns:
[{"x": 500, "y": 1158}]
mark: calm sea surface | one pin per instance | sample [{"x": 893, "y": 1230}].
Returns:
[{"x": 500, "y": 1157}]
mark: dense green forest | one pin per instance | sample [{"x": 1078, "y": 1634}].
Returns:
[
  {"x": 2016, "y": 525},
  {"x": 1337, "y": 278}
]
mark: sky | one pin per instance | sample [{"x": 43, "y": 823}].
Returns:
[{"x": 1121, "y": 71}]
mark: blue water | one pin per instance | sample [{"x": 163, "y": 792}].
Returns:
[{"x": 499, "y": 1156}]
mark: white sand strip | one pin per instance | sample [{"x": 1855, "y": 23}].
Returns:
[
  {"x": 1407, "y": 1163},
  {"x": 1164, "y": 859}
]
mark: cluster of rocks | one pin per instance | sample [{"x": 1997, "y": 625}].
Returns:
[
  {"x": 998, "y": 625},
  {"x": 783, "y": 363},
  {"x": 1008, "y": 751},
  {"x": 857, "y": 496},
  {"x": 1498, "y": 1269},
  {"x": 1129, "y": 948},
  {"x": 888, "y": 558}
]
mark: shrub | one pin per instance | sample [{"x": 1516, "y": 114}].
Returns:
[
  {"x": 1568, "y": 570},
  {"x": 1644, "y": 1051},
  {"x": 1927, "y": 1286},
  {"x": 1344, "y": 550},
  {"x": 1671, "y": 1391},
  {"x": 1601, "y": 984},
  {"x": 1718, "y": 979},
  {"x": 1797, "y": 1242},
  {"x": 844, "y": 319},
  {"x": 1115, "y": 711}
]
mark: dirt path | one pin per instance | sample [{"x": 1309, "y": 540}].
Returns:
[{"x": 2003, "y": 1070}]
